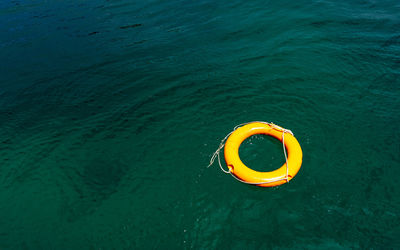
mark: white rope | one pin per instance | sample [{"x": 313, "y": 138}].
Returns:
[
  {"x": 216, "y": 154},
  {"x": 222, "y": 144}
]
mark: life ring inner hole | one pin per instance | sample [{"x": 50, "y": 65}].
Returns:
[{"x": 262, "y": 153}]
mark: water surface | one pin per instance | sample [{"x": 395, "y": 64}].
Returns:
[{"x": 110, "y": 112}]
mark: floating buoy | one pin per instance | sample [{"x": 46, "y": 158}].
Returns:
[{"x": 241, "y": 172}]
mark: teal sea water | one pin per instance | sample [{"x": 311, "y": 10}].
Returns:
[{"x": 111, "y": 110}]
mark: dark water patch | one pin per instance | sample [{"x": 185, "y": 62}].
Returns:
[
  {"x": 252, "y": 59},
  {"x": 136, "y": 43},
  {"x": 323, "y": 23},
  {"x": 131, "y": 26},
  {"x": 394, "y": 40},
  {"x": 93, "y": 180},
  {"x": 103, "y": 175},
  {"x": 93, "y": 33}
]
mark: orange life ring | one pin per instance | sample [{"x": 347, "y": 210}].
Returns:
[{"x": 263, "y": 179}]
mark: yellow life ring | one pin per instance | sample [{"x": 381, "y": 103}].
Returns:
[{"x": 264, "y": 179}]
